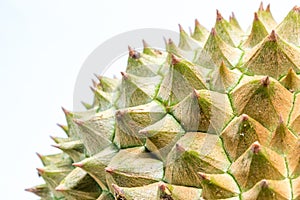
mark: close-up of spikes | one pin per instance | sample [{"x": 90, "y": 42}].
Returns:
[{"x": 215, "y": 117}]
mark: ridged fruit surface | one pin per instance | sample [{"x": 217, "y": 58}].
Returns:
[{"x": 216, "y": 117}]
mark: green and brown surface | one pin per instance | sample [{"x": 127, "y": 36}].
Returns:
[{"x": 216, "y": 117}]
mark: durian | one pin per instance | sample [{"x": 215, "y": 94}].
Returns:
[{"x": 216, "y": 117}]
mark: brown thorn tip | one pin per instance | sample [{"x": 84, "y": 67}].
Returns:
[
  {"x": 65, "y": 111},
  {"x": 55, "y": 145},
  {"x": 202, "y": 175},
  {"x": 255, "y": 148},
  {"x": 180, "y": 148},
  {"x": 39, "y": 155},
  {"x": 232, "y": 15},
  {"x": 162, "y": 187},
  {"x": 124, "y": 75},
  {"x": 273, "y": 36},
  {"x": 265, "y": 81},
  {"x": 296, "y": 8},
  {"x": 264, "y": 183},
  {"x": 281, "y": 121},
  {"x": 117, "y": 189},
  {"x": 255, "y": 16},
  {"x": 245, "y": 117},
  {"x": 197, "y": 23},
  {"x": 219, "y": 16},
  {"x": 108, "y": 170},
  {"x": 175, "y": 59},
  {"x": 78, "y": 164},
  {"x": 180, "y": 28},
  {"x": 30, "y": 190},
  {"x": 213, "y": 32},
  {"x": 268, "y": 9},
  {"x": 40, "y": 170}
]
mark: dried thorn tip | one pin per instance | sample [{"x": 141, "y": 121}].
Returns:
[
  {"x": 213, "y": 32},
  {"x": 175, "y": 59},
  {"x": 261, "y": 7},
  {"x": 196, "y": 93},
  {"x": 264, "y": 183},
  {"x": 268, "y": 9},
  {"x": 133, "y": 53},
  {"x": 202, "y": 176},
  {"x": 255, "y": 148},
  {"x": 124, "y": 75},
  {"x": 197, "y": 22},
  {"x": 219, "y": 16},
  {"x": 109, "y": 170},
  {"x": 180, "y": 148},
  {"x": 265, "y": 81},
  {"x": 256, "y": 16},
  {"x": 273, "y": 36},
  {"x": 245, "y": 117}
]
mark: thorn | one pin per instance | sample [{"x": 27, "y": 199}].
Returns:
[
  {"x": 39, "y": 155},
  {"x": 256, "y": 16},
  {"x": 219, "y": 16},
  {"x": 66, "y": 111},
  {"x": 281, "y": 121},
  {"x": 119, "y": 114},
  {"x": 145, "y": 44},
  {"x": 265, "y": 81},
  {"x": 180, "y": 148},
  {"x": 273, "y": 36},
  {"x": 268, "y": 8},
  {"x": 222, "y": 65},
  {"x": 196, "y": 93},
  {"x": 109, "y": 170},
  {"x": 78, "y": 122},
  {"x": 78, "y": 164},
  {"x": 143, "y": 132},
  {"x": 40, "y": 171},
  {"x": 180, "y": 28},
  {"x": 56, "y": 146},
  {"x": 296, "y": 8},
  {"x": 232, "y": 15},
  {"x": 61, "y": 126},
  {"x": 197, "y": 22},
  {"x": 117, "y": 190},
  {"x": 133, "y": 53},
  {"x": 213, "y": 32},
  {"x": 60, "y": 188},
  {"x": 170, "y": 41},
  {"x": 175, "y": 59},
  {"x": 93, "y": 89},
  {"x": 95, "y": 84},
  {"x": 264, "y": 183},
  {"x": 202, "y": 176},
  {"x": 261, "y": 7},
  {"x": 124, "y": 75},
  {"x": 30, "y": 190},
  {"x": 255, "y": 148},
  {"x": 245, "y": 117},
  {"x": 162, "y": 186}
]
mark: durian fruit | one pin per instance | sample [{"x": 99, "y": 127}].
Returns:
[{"x": 216, "y": 117}]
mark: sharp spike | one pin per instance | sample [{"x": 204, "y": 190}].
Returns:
[
  {"x": 273, "y": 36},
  {"x": 268, "y": 8},
  {"x": 65, "y": 111},
  {"x": 180, "y": 28},
  {"x": 265, "y": 81},
  {"x": 175, "y": 59},
  {"x": 78, "y": 164},
  {"x": 255, "y": 148},
  {"x": 145, "y": 44},
  {"x": 219, "y": 16},
  {"x": 256, "y": 16},
  {"x": 124, "y": 75},
  {"x": 213, "y": 32}
]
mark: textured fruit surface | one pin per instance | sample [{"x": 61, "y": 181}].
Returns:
[{"x": 216, "y": 117}]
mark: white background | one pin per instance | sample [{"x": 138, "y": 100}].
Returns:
[{"x": 43, "y": 44}]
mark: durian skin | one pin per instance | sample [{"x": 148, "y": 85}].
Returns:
[{"x": 174, "y": 129}]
